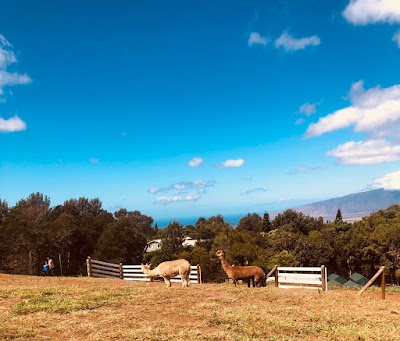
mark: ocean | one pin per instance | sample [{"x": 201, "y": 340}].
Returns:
[{"x": 232, "y": 219}]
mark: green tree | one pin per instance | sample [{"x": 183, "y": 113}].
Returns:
[
  {"x": 297, "y": 221},
  {"x": 120, "y": 243},
  {"x": 25, "y": 226},
  {"x": 138, "y": 221},
  {"x": 283, "y": 258},
  {"x": 338, "y": 218},
  {"x": 266, "y": 224},
  {"x": 86, "y": 222},
  {"x": 313, "y": 250},
  {"x": 3, "y": 242},
  {"x": 250, "y": 222},
  {"x": 171, "y": 243}
]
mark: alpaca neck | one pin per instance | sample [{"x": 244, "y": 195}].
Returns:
[
  {"x": 225, "y": 264},
  {"x": 151, "y": 272}
]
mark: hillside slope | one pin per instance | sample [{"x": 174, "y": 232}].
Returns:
[{"x": 353, "y": 206}]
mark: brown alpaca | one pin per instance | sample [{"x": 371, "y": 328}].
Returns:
[
  {"x": 170, "y": 269},
  {"x": 247, "y": 273}
]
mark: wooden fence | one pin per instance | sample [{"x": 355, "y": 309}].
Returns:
[
  {"x": 381, "y": 271},
  {"x": 96, "y": 268},
  {"x": 301, "y": 277}
]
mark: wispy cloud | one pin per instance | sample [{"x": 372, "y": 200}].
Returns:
[
  {"x": 7, "y": 57},
  {"x": 303, "y": 170},
  {"x": 257, "y": 39},
  {"x": 4, "y": 41},
  {"x": 363, "y": 12},
  {"x": 376, "y": 112},
  {"x": 12, "y": 124},
  {"x": 94, "y": 160},
  {"x": 396, "y": 38},
  {"x": 195, "y": 162},
  {"x": 299, "y": 121},
  {"x": 309, "y": 108},
  {"x": 289, "y": 43},
  {"x": 178, "y": 198},
  {"x": 254, "y": 190},
  {"x": 232, "y": 163},
  {"x": 183, "y": 185},
  {"x": 389, "y": 181},
  {"x": 181, "y": 191}
]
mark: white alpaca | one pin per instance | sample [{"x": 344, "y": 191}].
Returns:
[{"x": 170, "y": 269}]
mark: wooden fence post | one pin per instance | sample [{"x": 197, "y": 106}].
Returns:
[
  {"x": 366, "y": 286},
  {"x": 270, "y": 273},
  {"x": 323, "y": 278},
  {"x": 121, "y": 271},
  {"x": 89, "y": 267},
  {"x": 198, "y": 274},
  {"x": 276, "y": 276}
]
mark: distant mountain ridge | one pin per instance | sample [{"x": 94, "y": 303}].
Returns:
[{"x": 353, "y": 206}]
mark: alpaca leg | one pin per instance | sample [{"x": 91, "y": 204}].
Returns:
[
  {"x": 187, "y": 280},
  {"x": 167, "y": 282}
]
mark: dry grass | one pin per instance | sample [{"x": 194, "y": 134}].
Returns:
[{"x": 54, "y": 308}]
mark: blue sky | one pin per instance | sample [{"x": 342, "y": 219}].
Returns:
[{"x": 192, "y": 108}]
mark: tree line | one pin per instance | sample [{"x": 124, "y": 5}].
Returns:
[{"x": 32, "y": 230}]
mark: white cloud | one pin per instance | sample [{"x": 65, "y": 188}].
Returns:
[
  {"x": 199, "y": 185},
  {"x": 182, "y": 191},
  {"x": 178, "y": 198},
  {"x": 309, "y": 108},
  {"x": 363, "y": 12},
  {"x": 7, "y": 57},
  {"x": 8, "y": 79},
  {"x": 389, "y": 181},
  {"x": 232, "y": 163},
  {"x": 299, "y": 121},
  {"x": 195, "y": 162},
  {"x": 289, "y": 43},
  {"x": 366, "y": 152},
  {"x": 94, "y": 160},
  {"x": 396, "y": 38},
  {"x": 11, "y": 125},
  {"x": 256, "y": 39},
  {"x": 375, "y": 111}
]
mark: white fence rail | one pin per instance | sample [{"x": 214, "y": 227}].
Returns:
[
  {"x": 301, "y": 277},
  {"x": 134, "y": 273},
  {"x": 96, "y": 268}
]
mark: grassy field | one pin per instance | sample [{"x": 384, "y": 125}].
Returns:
[{"x": 56, "y": 308}]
